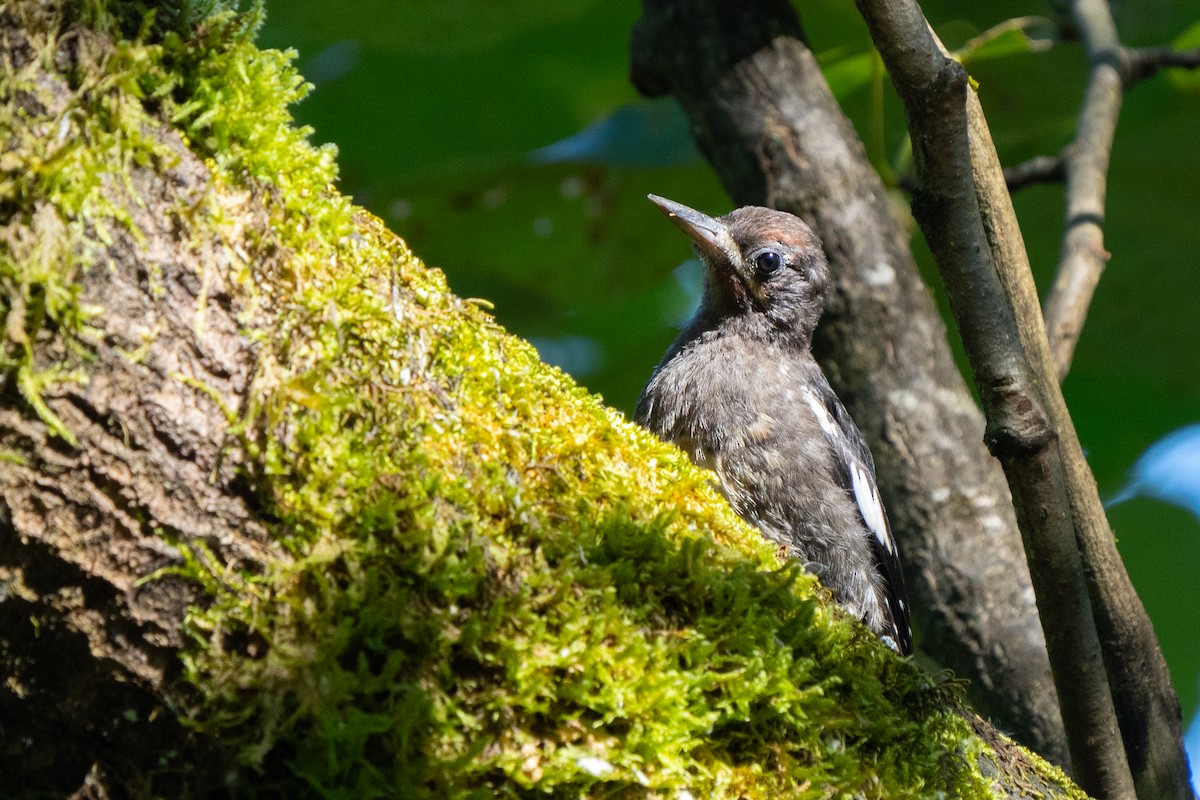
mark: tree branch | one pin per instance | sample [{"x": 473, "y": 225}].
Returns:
[
  {"x": 1144, "y": 62},
  {"x": 764, "y": 116},
  {"x": 967, "y": 217},
  {"x": 1084, "y": 167},
  {"x": 1086, "y": 160},
  {"x": 1141, "y": 685},
  {"x": 1039, "y": 169}
]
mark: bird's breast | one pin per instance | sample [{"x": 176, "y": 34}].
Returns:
[{"x": 718, "y": 393}]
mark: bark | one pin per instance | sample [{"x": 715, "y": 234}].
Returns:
[
  {"x": 90, "y": 645},
  {"x": 763, "y": 115}
]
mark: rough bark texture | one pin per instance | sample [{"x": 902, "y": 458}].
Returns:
[
  {"x": 90, "y": 648},
  {"x": 1023, "y": 437},
  {"x": 764, "y": 117}
]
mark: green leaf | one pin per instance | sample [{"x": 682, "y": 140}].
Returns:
[
  {"x": 1009, "y": 38},
  {"x": 1186, "y": 80},
  {"x": 848, "y": 74}
]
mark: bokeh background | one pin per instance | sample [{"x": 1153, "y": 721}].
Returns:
[{"x": 504, "y": 142}]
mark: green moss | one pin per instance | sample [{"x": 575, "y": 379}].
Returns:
[{"x": 495, "y": 586}]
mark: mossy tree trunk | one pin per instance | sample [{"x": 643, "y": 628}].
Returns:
[{"x": 280, "y": 514}]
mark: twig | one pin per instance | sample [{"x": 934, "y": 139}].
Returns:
[
  {"x": 966, "y": 214},
  {"x": 1143, "y": 62},
  {"x": 1022, "y": 24},
  {"x": 1135, "y": 65},
  {"x": 1039, "y": 169},
  {"x": 1083, "y": 256}
]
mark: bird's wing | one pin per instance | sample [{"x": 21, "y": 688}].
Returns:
[{"x": 855, "y": 472}]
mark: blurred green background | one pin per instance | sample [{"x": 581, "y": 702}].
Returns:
[{"x": 443, "y": 111}]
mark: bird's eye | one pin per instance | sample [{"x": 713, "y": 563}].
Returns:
[{"x": 768, "y": 261}]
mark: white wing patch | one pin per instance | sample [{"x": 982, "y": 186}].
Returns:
[
  {"x": 889, "y": 595},
  {"x": 824, "y": 419},
  {"x": 865, "y": 493},
  {"x": 870, "y": 506}
]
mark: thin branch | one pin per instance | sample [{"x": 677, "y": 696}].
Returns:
[
  {"x": 1113, "y": 70},
  {"x": 1144, "y": 62},
  {"x": 1039, "y": 169},
  {"x": 1084, "y": 167},
  {"x": 1083, "y": 256},
  {"x": 1022, "y": 24}
]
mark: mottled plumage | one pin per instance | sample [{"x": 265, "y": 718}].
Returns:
[{"x": 740, "y": 392}]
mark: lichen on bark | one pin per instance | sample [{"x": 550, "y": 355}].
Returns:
[{"x": 286, "y": 495}]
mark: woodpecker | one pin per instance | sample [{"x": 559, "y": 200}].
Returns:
[{"x": 740, "y": 392}]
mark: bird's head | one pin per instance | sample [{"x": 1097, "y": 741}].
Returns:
[{"x": 758, "y": 261}]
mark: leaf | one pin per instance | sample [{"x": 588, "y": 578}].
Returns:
[
  {"x": 849, "y": 74},
  {"x": 1186, "y": 80},
  {"x": 1011, "y": 37},
  {"x": 1188, "y": 39}
]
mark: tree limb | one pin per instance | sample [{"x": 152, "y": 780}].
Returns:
[
  {"x": 1113, "y": 69},
  {"x": 1039, "y": 169},
  {"x": 764, "y": 116},
  {"x": 1086, "y": 169},
  {"x": 1144, "y": 62},
  {"x": 933, "y": 89},
  {"x": 968, "y": 220}
]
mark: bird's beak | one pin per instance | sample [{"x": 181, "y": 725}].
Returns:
[{"x": 710, "y": 235}]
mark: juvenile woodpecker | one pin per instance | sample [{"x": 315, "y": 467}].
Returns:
[{"x": 740, "y": 392}]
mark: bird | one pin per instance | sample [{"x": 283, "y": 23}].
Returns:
[{"x": 740, "y": 392}]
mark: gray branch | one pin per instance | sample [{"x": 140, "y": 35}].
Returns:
[
  {"x": 1113, "y": 69},
  {"x": 1143, "y": 62},
  {"x": 1039, "y": 169},
  {"x": 1085, "y": 165}
]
